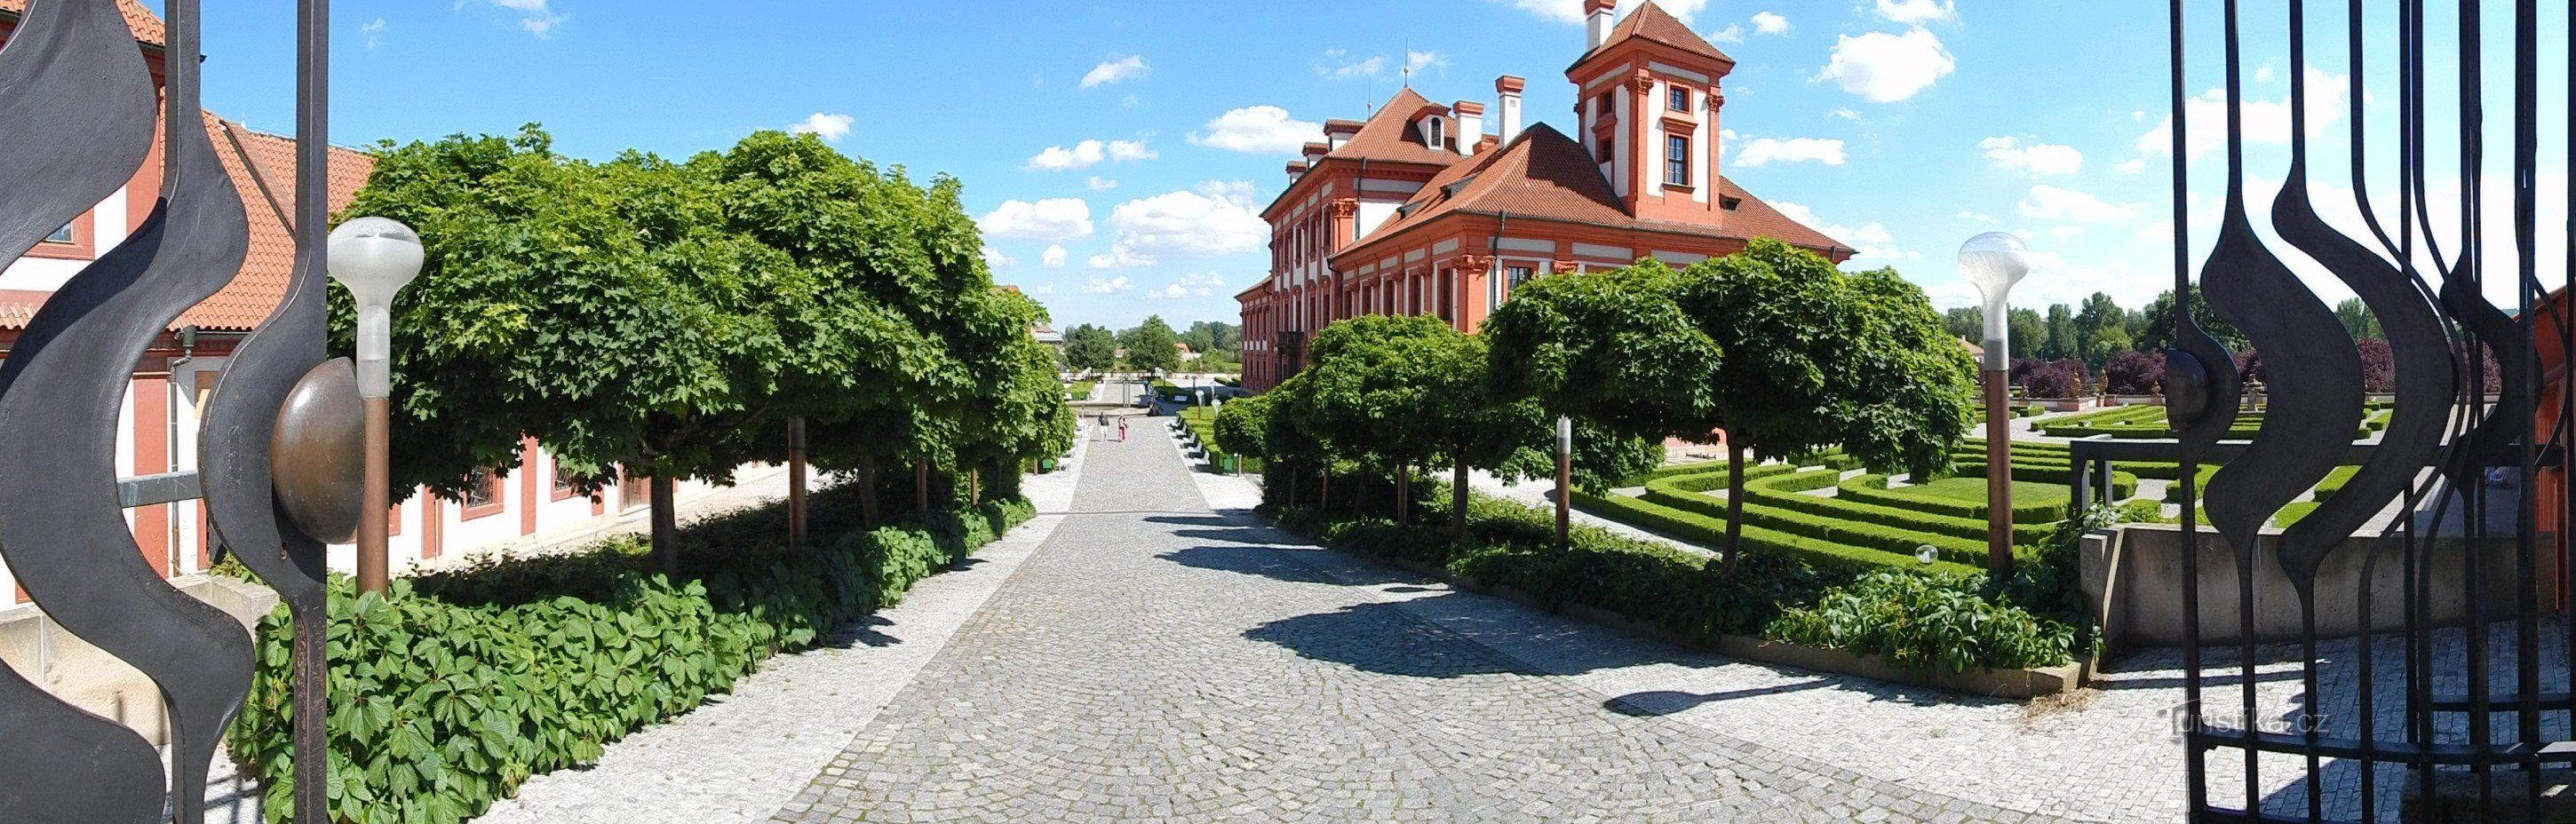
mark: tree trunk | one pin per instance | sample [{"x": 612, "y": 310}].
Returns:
[
  {"x": 1324, "y": 497},
  {"x": 921, "y": 490},
  {"x": 1294, "y": 477},
  {"x": 1404, "y": 495},
  {"x": 975, "y": 487},
  {"x": 666, "y": 528},
  {"x": 1734, "y": 503},
  {"x": 1458, "y": 500},
  {"x": 868, "y": 491},
  {"x": 796, "y": 483}
]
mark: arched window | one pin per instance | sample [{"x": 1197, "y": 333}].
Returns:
[{"x": 1432, "y": 133}]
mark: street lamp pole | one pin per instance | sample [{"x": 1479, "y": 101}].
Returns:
[
  {"x": 1993, "y": 262},
  {"x": 1564, "y": 477},
  {"x": 374, "y": 257}
]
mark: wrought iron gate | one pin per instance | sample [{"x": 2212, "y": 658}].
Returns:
[
  {"x": 76, "y": 120},
  {"x": 2458, "y": 706}
]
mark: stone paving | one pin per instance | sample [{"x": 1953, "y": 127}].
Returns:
[{"x": 1158, "y": 661}]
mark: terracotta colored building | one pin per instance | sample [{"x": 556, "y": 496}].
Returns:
[{"x": 1418, "y": 210}]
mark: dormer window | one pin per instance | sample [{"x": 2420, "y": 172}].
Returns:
[
  {"x": 62, "y": 235},
  {"x": 1432, "y": 133}
]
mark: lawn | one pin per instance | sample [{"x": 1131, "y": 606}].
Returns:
[{"x": 1973, "y": 490}]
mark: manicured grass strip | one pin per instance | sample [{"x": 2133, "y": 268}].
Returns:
[
  {"x": 1717, "y": 479},
  {"x": 1782, "y": 492},
  {"x": 1711, "y": 532},
  {"x": 1201, "y": 421},
  {"x": 1958, "y": 497}
]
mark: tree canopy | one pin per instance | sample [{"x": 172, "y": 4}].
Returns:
[
  {"x": 1149, "y": 346},
  {"x": 666, "y": 319},
  {"x": 1090, "y": 347}
]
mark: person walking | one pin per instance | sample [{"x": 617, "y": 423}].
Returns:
[{"x": 1122, "y": 430}]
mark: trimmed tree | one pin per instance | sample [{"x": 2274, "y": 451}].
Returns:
[
  {"x": 1408, "y": 391},
  {"x": 1149, "y": 346},
  {"x": 1090, "y": 347}
]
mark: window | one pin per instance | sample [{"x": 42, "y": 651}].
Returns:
[
  {"x": 482, "y": 495},
  {"x": 1678, "y": 99},
  {"x": 1603, "y": 155},
  {"x": 563, "y": 486},
  {"x": 1521, "y": 275},
  {"x": 1677, "y": 160},
  {"x": 1431, "y": 133},
  {"x": 62, "y": 235}
]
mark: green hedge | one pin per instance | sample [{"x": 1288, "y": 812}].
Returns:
[
  {"x": 2123, "y": 484},
  {"x": 1201, "y": 421},
  {"x": 1705, "y": 481},
  {"x": 1710, "y": 531},
  {"x": 1923, "y": 622},
  {"x": 1782, "y": 492},
  {"x": 455, "y": 688}
]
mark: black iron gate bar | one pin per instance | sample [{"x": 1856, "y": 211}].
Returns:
[{"x": 2445, "y": 419}]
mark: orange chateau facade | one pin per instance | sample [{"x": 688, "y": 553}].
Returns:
[{"x": 1417, "y": 210}]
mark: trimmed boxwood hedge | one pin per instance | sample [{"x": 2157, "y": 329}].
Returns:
[
  {"x": 1705, "y": 530},
  {"x": 1897, "y": 541},
  {"x": 1782, "y": 492},
  {"x": 456, "y": 687},
  {"x": 1705, "y": 481}
]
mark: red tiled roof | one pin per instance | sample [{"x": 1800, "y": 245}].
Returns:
[
  {"x": 1544, "y": 175},
  {"x": 1651, "y": 22},
  {"x": 1390, "y": 136},
  {"x": 251, "y": 159},
  {"x": 146, "y": 26}
]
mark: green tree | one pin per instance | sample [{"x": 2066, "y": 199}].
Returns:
[
  {"x": 2027, "y": 330},
  {"x": 2358, "y": 320},
  {"x": 2159, "y": 334},
  {"x": 2061, "y": 338},
  {"x": 1816, "y": 357},
  {"x": 1149, "y": 346},
  {"x": 1090, "y": 347},
  {"x": 1212, "y": 336},
  {"x": 1407, "y": 391},
  {"x": 1612, "y": 347},
  {"x": 605, "y": 310},
  {"x": 1966, "y": 323}
]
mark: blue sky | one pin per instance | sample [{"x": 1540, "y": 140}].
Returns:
[{"x": 1118, "y": 153}]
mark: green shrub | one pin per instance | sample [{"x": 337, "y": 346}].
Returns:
[
  {"x": 1717, "y": 479},
  {"x": 2123, "y": 483},
  {"x": 1709, "y": 530},
  {"x": 457, "y": 687},
  {"x": 1782, "y": 492},
  {"x": 1923, "y": 622}
]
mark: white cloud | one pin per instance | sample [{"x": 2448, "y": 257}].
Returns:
[
  {"x": 1416, "y": 61},
  {"x": 374, "y": 32},
  {"x": 1795, "y": 211},
  {"x": 1215, "y": 218},
  {"x": 1114, "y": 71},
  {"x": 1042, "y": 289},
  {"x": 1258, "y": 130},
  {"x": 1845, "y": 114},
  {"x": 1055, "y": 218},
  {"x": 2065, "y": 233},
  {"x": 832, "y": 127},
  {"x": 1342, "y": 68},
  {"x": 1979, "y": 217},
  {"x": 1731, "y": 34},
  {"x": 2265, "y": 121},
  {"x": 1885, "y": 68},
  {"x": 1053, "y": 257},
  {"x": 994, "y": 258},
  {"x": 1203, "y": 285},
  {"x": 1110, "y": 286},
  {"x": 1100, "y": 184},
  {"x": 2032, "y": 160},
  {"x": 2265, "y": 74},
  {"x": 2133, "y": 166},
  {"x": 2047, "y": 202},
  {"x": 535, "y": 17},
  {"x": 1763, "y": 150},
  {"x": 1768, "y": 23},
  {"x": 1870, "y": 242},
  {"x": 1085, "y": 153},
  {"x": 1918, "y": 12}
]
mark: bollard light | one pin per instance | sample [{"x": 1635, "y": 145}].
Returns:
[
  {"x": 1993, "y": 262},
  {"x": 374, "y": 257}
]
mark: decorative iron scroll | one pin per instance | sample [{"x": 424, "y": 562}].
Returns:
[
  {"x": 2453, "y": 455},
  {"x": 76, "y": 120}
]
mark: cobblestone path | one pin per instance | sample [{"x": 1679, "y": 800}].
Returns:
[{"x": 1153, "y": 661}]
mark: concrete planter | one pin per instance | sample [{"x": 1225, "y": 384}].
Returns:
[
  {"x": 75, "y": 671},
  {"x": 2132, "y": 575},
  {"x": 2016, "y": 685}
]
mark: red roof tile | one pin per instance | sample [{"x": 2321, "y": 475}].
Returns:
[
  {"x": 1651, "y": 22},
  {"x": 1390, "y": 136},
  {"x": 146, "y": 26},
  {"x": 251, "y": 159},
  {"x": 1544, "y": 175}
]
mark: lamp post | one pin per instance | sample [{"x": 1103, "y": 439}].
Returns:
[
  {"x": 1993, "y": 262},
  {"x": 374, "y": 257}
]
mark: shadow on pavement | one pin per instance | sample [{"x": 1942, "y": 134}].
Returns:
[
  {"x": 1666, "y": 702},
  {"x": 1383, "y": 638},
  {"x": 1255, "y": 557}
]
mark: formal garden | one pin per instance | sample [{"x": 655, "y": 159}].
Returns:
[
  {"x": 665, "y": 319},
  {"x": 1849, "y": 513}
]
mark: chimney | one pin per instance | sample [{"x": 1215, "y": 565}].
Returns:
[
  {"x": 1471, "y": 125},
  {"x": 1597, "y": 15},
  {"x": 1508, "y": 110}
]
